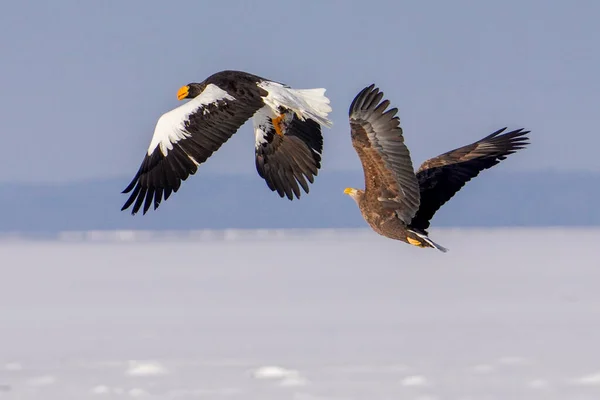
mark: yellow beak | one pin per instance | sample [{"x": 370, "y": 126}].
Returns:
[{"x": 182, "y": 93}]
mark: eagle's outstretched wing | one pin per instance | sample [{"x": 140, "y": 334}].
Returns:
[{"x": 443, "y": 176}]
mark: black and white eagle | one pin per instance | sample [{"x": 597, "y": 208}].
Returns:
[{"x": 287, "y": 128}]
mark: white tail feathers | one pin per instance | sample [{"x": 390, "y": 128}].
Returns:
[
  {"x": 306, "y": 103},
  {"x": 429, "y": 241},
  {"x": 319, "y": 103}
]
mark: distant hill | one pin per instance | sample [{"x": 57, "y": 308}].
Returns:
[{"x": 243, "y": 201}]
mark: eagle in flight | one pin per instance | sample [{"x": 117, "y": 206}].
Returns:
[
  {"x": 287, "y": 128},
  {"x": 398, "y": 202}
]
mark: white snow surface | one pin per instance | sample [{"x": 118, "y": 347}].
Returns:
[
  {"x": 301, "y": 315},
  {"x": 145, "y": 368}
]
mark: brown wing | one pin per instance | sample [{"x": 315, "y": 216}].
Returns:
[
  {"x": 377, "y": 138},
  {"x": 287, "y": 160},
  {"x": 443, "y": 176}
]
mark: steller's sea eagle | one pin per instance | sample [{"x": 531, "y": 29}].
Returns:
[
  {"x": 287, "y": 129},
  {"x": 397, "y": 202}
]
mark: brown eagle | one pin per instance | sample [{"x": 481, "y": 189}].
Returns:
[{"x": 397, "y": 202}]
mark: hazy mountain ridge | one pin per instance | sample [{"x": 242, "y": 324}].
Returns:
[{"x": 496, "y": 198}]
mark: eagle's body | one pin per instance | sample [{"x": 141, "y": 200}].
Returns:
[
  {"x": 386, "y": 223},
  {"x": 287, "y": 127},
  {"x": 397, "y": 202}
]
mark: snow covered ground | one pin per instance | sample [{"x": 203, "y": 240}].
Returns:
[{"x": 506, "y": 314}]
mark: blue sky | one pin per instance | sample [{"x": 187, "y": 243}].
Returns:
[{"x": 83, "y": 83}]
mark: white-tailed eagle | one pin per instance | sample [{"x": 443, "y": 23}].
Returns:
[{"x": 397, "y": 201}]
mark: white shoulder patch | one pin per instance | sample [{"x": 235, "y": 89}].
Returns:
[
  {"x": 306, "y": 103},
  {"x": 262, "y": 123},
  {"x": 170, "y": 127}
]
